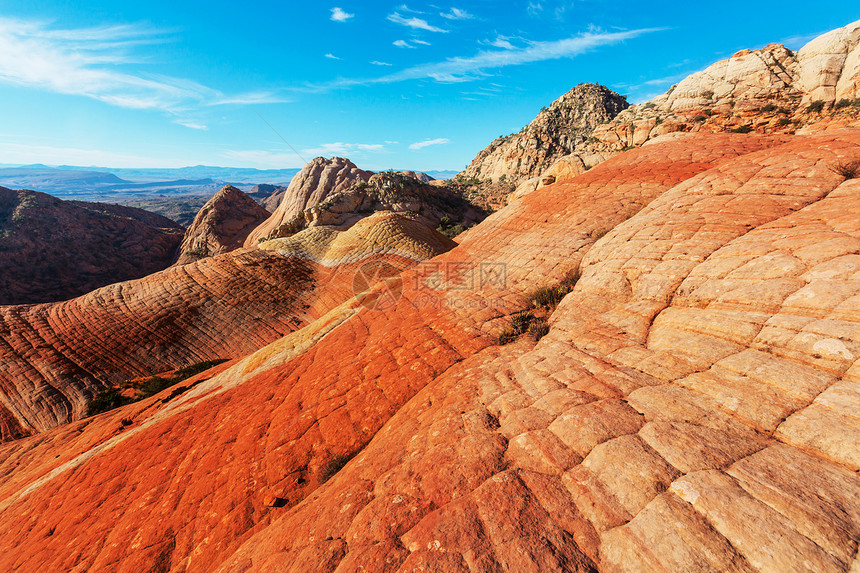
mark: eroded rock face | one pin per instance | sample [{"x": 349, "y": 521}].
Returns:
[
  {"x": 221, "y": 226},
  {"x": 53, "y": 250},
  {"x": 311, "y": 186},
  {"x": 692, "y": 406},
  {"x": 224, "y": 306},
  {"x": 398, "y": 192},
  {"x": 558, "y": 130}
]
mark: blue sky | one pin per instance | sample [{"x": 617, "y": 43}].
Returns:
[{"x": 409, "y": 86}]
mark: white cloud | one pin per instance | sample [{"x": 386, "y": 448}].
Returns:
[
  {"x": 413, "y": 22},
  {"x": 378, "y": 63},
  {"x": 502, "y": 42},
  {"x": 402, "y": 44},
  {"x": 191, "y": 124},
  {"x": 534, "y": 8},
  {"x": 456, "y": 14},
  {"x": 94, "y": 62},
  {"x": 331, "y": 57},
  {"x": 428, "y": 142},
  {"x": 461, "y": 69},
  {"x": 422, "y": 42},
  {"x": 340, "y": 15},
  {"x": 340, "y": 148}
]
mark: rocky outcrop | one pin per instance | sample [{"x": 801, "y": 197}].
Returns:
[
  {"x": 53, "y": 250},
  {"x": 768, "y": 90},
  {"x": 221, "y": 226},
  {"x": 54, "y": 358},
  {"x": 692, "y": 405},
  {"x": 311, "y": 186},
  {"x": 771, "y": 89},
  {"x": 396, "y": 192},
  {"x": 558, "y": 130}
]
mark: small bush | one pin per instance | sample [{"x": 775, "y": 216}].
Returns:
[
  {"x": 847, "y": 169},
  {"x": 333, "y": 465},
  {"x": 783, "y": 110},
  {"x": 700, "y": 118},
  {"x": 783, "y": 121},
  {"x": 769, "y": 107},
  {"x": 519, "y": 324},
  {"x": 708, "y": 95},
  {"x": 104, "y": 401},
  {"x": 815, "y": 107},
  {"x": 742, "y": 129},
  {"x": 538, "y": 328},
  {"x": 842, "y": 103}
]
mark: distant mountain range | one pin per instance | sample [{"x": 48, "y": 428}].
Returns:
[{"x": 109, "y": 184}]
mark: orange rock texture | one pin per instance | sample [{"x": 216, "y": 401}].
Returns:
[
  {"x": 56, "y": 357},
  {"x": 693, "y": 406},
  {"x": 53, "y": 250}
]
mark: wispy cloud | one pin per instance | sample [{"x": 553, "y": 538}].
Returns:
[
  {"x": 340, "y": 15},
  {"x": 402, "y": 44},
  {"x": 503, "y": 42},
  {"x": 422, "y": 42},
  {"x": 428, "y": 142},
  {"x": 462, "y": 69},
  {"x": 456, "y": 14},
  {"x": 331, "y": 57},
  {"x": 94, "y": 62},
  {"x": 191, "y": 125},
  {"x": 340, "y": 148},
  {"x": 378, "y": 63},
  {"x": 413, "y": 22}
]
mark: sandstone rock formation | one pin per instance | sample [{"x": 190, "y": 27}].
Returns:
[
  {"x": 53, "y": 250},
  {"x": 765, "y": 90},
  {"x": 557, "y": 130},
  {"x": 692, "y": 407},
  {"x": 311, "y": 186},
  {"x": 396, "y": 192},
  {"x": 55, "y": 357},
  {"x": 222, "y": 225}
]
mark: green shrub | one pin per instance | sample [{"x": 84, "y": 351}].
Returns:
[
  {"x": 769, "y": 107},
  {"x": 700, "y": 118},
  {"x": 815, "y": 107},
  {"x": 783, "y": 121},
  {"x": 742, "y": 129},
  {"x": 519, "y": 324},
  {"x": 783, "y": 110},
  {"x": 107, "y": 400},
  {"x": 111, "y": 398}
]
